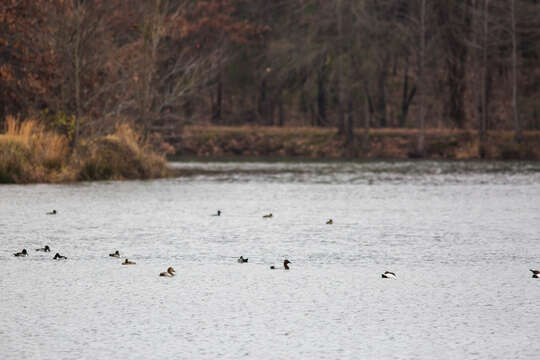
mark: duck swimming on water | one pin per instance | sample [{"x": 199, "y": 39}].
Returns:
[
  {"x": 169, "y": 273},
  {"x": 22, "y": 253},
  {"x": 285, "y": 265},
  {"x": 242, "y": 260},
  {"x": 127, "y": 262},
  {"x": 52, "y": 212},
  {"x": 535, "y": 273},
  {"x": 45, "y": 249},
  {"x": 330, "y": 222},
  {"x": 267, "y": 216},
  {"x": 388, "y": 275},
  {"x": 115, "y": 254},
  {"x": 218, "y": 213},
  {"x": 57, "y": 256}
]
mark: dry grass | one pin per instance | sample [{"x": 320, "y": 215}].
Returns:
[
  {"x": 121, "y": 155},
  {"x": 30, "y": 153}
]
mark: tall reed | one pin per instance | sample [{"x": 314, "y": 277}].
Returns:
[{"x": 30, "y": 153}]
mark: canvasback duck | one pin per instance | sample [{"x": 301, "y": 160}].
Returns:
[
  {"x": 218, "y": 213},
  {"x": 330, "y": 222},
  {"x": 169, "y": 273},
  {"x": 242, "y": 260},
  {"x": 267, "y": 216},
  {"x": 388, "y": 275},
  {"x": 45, "y": 249},
  {"x": 535, "y": 273},
  {"x": 285, "y": 265},
  {"x": 52, "y": 212},
  {"x": 127, "y": 262},
  {"x": 115, "y": 254},
  {"x": 21, "y": 253},
  {"x": 57, "y": 256}
]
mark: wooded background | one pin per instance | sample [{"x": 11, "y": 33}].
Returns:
[{"x": 83, "y": 66}]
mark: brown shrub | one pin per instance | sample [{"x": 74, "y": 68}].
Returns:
[
  {"x": 121, "y": 155},
  {"x": 29, "y": 153}
]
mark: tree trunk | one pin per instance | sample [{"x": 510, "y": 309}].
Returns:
[
  {"x": 454, "y": 17},
  {"x": 482, "y": 128},
  {"x": 341, "y": 77},
  {"x": 262, "y": 100},
  {"x": 381, "y": 93},
  {"x": 517, "y": 123},
  {"x": 152, "y": 38},
  {"x": 407, "y": 97},
  {"x": 216, "y": 115},
  {"x": 281, "y": 112},
  {"x": 77, "y": 61},
  {"x": 349, "y": 133},
  {"x": 420, "y": 149},
  {"x": 365, "y": 140},
  {"x": 321, "y": 96}
]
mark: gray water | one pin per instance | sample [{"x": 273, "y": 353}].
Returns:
[{"x": 461, "y": 237}]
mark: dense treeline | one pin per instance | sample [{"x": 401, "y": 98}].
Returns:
[{"x": 84, "y": 66}]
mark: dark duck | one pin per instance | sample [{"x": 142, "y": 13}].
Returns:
[
  {"x": 285, "y": 265},
  {"x": 22, "y": 253}
]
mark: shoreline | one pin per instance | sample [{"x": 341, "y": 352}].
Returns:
[
  {"x": 37, "y": 156},
  {"x": 230, "y": 142}
]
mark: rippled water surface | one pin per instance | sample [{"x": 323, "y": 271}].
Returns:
[{"x": 461, "y": 237}]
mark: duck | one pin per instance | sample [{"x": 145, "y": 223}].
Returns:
[
  {"x": 127, "y": 262},
  {"x": 268, "y": 216},
  {"x": 22, "y": 253},
  {"x": 535, "y": 273},
  {"x": 57, "y": 256},
  {"x": 218, "y": 213},
  {"x": 45, "y": 249},
  {"x": 115, "y": 254},
  {"x": 285, "y": 265},
  {"x": 242, "y": 260},
  {"x": 330, "y": 222},
  {"x": 389, "y": 275},
  {"x": 169, "y": 273},
  {"x": 52, "y": 212}
]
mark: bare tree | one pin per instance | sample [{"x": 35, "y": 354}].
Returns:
[{"x": 76, "y": 33}]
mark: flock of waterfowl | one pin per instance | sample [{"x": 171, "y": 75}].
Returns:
[
  {"x": 171, "y": 272},
  {"x": 46, "y": 248}
]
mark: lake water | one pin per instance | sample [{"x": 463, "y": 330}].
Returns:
[{"x": 461, "y": 237}]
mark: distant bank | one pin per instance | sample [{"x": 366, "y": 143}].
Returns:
[{"x": 318, "y": 143}]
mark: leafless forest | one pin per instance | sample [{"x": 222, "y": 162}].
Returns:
[{"x": 83, "y": 66}]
